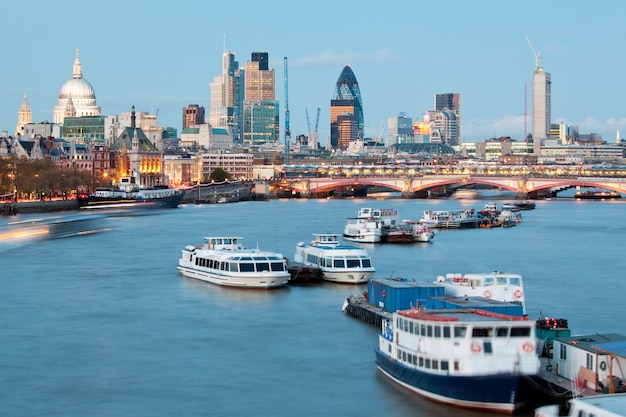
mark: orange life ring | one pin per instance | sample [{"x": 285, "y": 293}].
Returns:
[
  {"x": 487, "y": 294},
  {"x": 528, "y": 347},
  {"x": 384, "y": 293},
  {"x": 475, "y": 347},
  {"x": 517, "y": 294}
]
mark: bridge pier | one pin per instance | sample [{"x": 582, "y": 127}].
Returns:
[
  {"x": 521, "y": 195},
  {"x": 408, "y": 194}
]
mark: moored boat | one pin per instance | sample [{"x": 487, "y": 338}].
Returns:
[
  {"x": 604, "y": 405},
  {"x": 225, "y": 261},
  {"x": 337, "y": 262},
  {"x": 128, "y": 195},
  {"x": 597, "y": 195},
  {"x": 473, "y": 359},
  {"x": 363, "y": 228},
  {"x": 501, "y": 286}
]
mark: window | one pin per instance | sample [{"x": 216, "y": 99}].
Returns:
[
  {"x": 437, "y": 331},
  {"x": 366, "y": 262},
  {"x": 487, "y": 347},
  {"x": 482, "y": 332},
  {"x": 520, "y": 331},
  {"x": 563, "y": 352},
  {"x": 502, "y": 331},
  {"x": 429, "y": 329},
  {"x": 446, "y": 332},
  {"x": 589, "y": 361},
  {"x": 246, "y": 267},
  {"x": 262, "y": 266},
  {"x": 278, "y": 266},
  {"x": 353, "y": 263},
  {"x": 460, "y": 332},
  {"x": 445, "y": 365}
]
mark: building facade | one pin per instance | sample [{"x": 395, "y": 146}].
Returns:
[
  {"x": 450, "y": 101},
  {"x": 77, "y": 97},
  {"x": 400, "y": 130},
  {"x": 193, "y": 115},
  {"x": 238, "y": 165},
  {"x": 24, "y": 117},
  {"x": 260, "y": 109},
  {"x": 541, "y": 103},
  {"x": 346, "y": 103}
]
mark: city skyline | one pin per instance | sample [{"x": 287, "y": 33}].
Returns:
[{"x": 400, "y": 56}]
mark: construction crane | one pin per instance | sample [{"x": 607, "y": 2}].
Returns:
[
  {"x": 312, "y": 142},
  {"x": 287, "y": 130},
  {"x": 537, "y": 54}
]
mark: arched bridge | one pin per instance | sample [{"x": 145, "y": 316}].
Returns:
[{"x": 419, "y": 186}]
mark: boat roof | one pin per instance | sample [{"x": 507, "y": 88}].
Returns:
[
  {"x": 463, "y": 316},
  {"x": 608, "y": 342},
  {"x": 614, "y": 403},
  {"x": 222, "y": 237}
]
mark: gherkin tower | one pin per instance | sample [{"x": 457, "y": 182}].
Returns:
[{"x": 346, "y": 109}]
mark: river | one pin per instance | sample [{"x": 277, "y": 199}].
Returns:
[{"x": 104, "y": 325}]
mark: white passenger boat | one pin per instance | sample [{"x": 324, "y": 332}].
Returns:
[
  {"x": 500, "y": 286},
  {"x": 224, "y": 261},
  {"x": 450, "y": 219},
  {"x": 419, "y": 231},
  {"x": 337, "y": 262},
  {"x": 473, "y": 359},
  {"x": 605, "y": 405},
  {"x": 362, "y": 228}
]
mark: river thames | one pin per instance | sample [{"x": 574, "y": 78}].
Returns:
[{"x": 104, "y": 325}]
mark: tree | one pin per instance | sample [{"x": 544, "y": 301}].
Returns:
[{"x": 219, "y": 175}]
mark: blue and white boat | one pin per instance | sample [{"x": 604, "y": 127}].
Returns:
[
  {"x": 474, "y": 359},
  {"x": 337, "y": 262},
  {"x": 223, "y": 260}
]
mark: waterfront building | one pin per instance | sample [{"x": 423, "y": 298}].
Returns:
[
  {"x": 77, "y": 97},
  {"x": 206, "y": 137},
  {"x": 193, "y": 115},
  {"x": 564, "y": 134},
  {"x": 134, "y": 155},
  {"x": 492, "y": 149},
  {"x": 238, "y": 165},
  {"x": 182, "y": 169},
  {"x": 84, "y": 129},
  {"x": 400, "y": 129},
  {"x": 145, "y": 121},
  {"x": 24, "y": 117},
  {"x": 261, "y": 110},
  {"x": 450, "y": 101},
  {"x": 346, "y": 111},
  {"x": 541, "y": 102}
]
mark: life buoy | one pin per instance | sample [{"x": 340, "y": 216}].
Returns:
[
  {"x": 517, "y": 294},
  {"x": 487, "y": 294},
  {"x": 475, "y": 347},
  {"x": 603, "y": 365},
  {"x": 528, "y": 347},
  {"x": 384, "y": 293}
]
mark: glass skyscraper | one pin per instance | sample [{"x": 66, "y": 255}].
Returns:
[{"x": 346, "y": 111}]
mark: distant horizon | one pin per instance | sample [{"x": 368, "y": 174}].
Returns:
[{"x": 400, "y": 61}]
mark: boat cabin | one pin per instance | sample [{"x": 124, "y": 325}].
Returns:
[{"x": 224, "y": 243}]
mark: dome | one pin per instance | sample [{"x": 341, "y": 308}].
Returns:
[{"x": 77, "y": 88}]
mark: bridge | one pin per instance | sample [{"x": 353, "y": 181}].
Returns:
[{"x": 420, "y": 186}]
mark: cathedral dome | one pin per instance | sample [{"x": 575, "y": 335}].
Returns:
[{"x": 77, "y": 88}]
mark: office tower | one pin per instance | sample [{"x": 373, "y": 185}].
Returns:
[
  {"x": 227, "y": 97},
  {"x": 346, "y": 111},
  {"x": 400, "y": 130},
  {"x": 193, "y": 115},
  {"x": 450, "y": 101},
  {"x": 443, "y": 127},
  {"x": 260, "y": 108},
  {"x": 541, "y": 102}
]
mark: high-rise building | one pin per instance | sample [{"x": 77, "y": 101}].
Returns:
[
  {"x": 541, "y": 102},
  {"x": 261, "y": 110},
  {"x": 400, "y": 130},
  {"x": 450, "y": 101},
  {"x": 227, "y": 95},
  {"x": 346, "y": 111},
  {"x": 443, "y": 127},
  {"x": 193, "y": 115}
]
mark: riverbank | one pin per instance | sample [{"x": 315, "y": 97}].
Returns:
[{"x": 43, "y": 206}]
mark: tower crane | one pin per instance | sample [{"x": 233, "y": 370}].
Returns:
[{"x": 537, "y": 54}]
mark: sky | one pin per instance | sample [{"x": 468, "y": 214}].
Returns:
[{"x": 163, "y": 55}]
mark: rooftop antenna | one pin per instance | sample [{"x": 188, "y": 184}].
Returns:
[{"x": 537, "y": 54}]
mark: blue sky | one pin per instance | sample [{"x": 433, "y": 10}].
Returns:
[{"x": 163, "y": 55}]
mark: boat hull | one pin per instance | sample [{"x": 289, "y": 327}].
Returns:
[
  {"x": 265, "y": 281},
  {"x": 503, "y": 393},
  {"x": 347, "y": 277},
  {"x": 365, "y": 238},
  {"x": 172, "y": 201}
]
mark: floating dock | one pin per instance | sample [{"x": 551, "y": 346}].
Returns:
[{"x": 302, "y": 274}]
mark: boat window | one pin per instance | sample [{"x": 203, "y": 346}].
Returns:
[
  {"x": 520, "y": 331},
  {"x": 446, "y": 332},
  {"x": 501, "y": 280},
  {"x": 353, "y": 263},
  {"x": 429, "y": 330},
  {"x": 427, "y": 363},
  {"x": 246, "y": 267},
  {"x": 437, "y": 331},
  {"x": 482, "y": 332},
  {"x": 421, "y": 361},
  {"x": 260, "y": 258},
  {"x": 246, "y": 258},
  {"x": 460, "y": 331},
  {"x": 227, "y": 241},
  {"x": 399, "y": 354},
  {"x": 404, "y": 355},
  {"x": 262, "y": 266},
  {"x": 488, "y": 281},
  {"x": 435, "y": 364},
  {"x": 423, "y": 329},
  {"x": 338, "y": 263},
  {"x": 224, "y": 266},
  {"x": 367, "y": 262},
  {"x": 278, "y": 266},
  {"x": 411, "y": 327},
  {"x": 515, "y": 281},
  {"x": 445, "y": 365},
  {"x": 234, "y": 267},
  {"x": 487, "y": 347},
  {"x": 502, "y": 331}
]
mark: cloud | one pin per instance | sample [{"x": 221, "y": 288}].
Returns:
[
  {"x": 333, "y": 59},
  {"x": 481, "y": 129}
]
